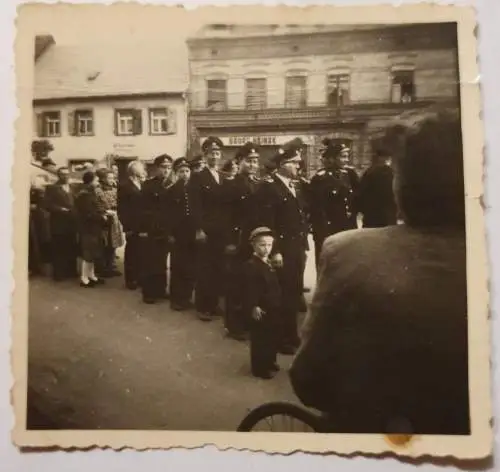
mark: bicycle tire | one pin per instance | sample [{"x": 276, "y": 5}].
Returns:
[{"x": 280, "y": 408}]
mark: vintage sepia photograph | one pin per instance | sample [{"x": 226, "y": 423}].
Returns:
[{"x": 252, "y": 227}]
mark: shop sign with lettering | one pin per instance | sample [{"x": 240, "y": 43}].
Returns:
[{"x": 264, "y": 140}]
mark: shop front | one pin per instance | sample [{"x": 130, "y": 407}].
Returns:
[{"x": 269, "y": 144}]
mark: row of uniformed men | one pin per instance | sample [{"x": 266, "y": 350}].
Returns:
[{"x": 204, "y": 221}]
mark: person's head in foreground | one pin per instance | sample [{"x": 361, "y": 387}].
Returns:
[
  {"x": 261, "y": 240},
  {"x": 63, "y": 175},
  {"x": 429, "y": 177},
  {"x": 334, "y": 155},
  {"x": 182, "y": 169}
]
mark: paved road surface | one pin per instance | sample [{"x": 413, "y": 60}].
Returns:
[{"x": 99, "y": 358}]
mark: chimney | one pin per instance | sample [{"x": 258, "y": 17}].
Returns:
[{"x": 42, "y": 43}]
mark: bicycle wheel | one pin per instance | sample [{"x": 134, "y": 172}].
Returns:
[{"x": 286, "y": 417}]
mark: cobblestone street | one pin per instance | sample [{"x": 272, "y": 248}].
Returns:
[{"x": 100, "y": 358}]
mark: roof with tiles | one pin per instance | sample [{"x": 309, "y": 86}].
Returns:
[{"x": 106, "y": 70}]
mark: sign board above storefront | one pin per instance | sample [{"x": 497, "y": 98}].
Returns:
[{"x": 263, "y": 140}]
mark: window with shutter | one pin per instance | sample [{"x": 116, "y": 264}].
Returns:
[
  {"x": 338, "y": 90},
  {"x": 217, "y": 94},
  {"x": 84, "y": 122},
  {"x": 295, "y": 92},
  {"x": 52, "y": 123},
  {"x": 158, "y": 121},
  {"x": 126, "y": 122},
  {"x": 256, "y": 94}
]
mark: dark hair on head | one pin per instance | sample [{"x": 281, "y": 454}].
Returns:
[
  {"x": 102, "y": 173},
  {"x": 430, "y": 175},
  {"x": 228, "y": 165},
  {"x": 88, "y": 177}
]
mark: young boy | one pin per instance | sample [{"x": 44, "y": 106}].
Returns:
[
  {"x": 262, "y": 299},
  {"x": 183, "y": 210}
]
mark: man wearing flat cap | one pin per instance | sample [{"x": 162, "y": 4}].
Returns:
[
  {"x": 154, "y": 238},
  {"x": 239, "y": 195},
  {"x": 332, "y": 195},
  {"x": 281, "y": 207},
  {"x": 210, "y": 271}
]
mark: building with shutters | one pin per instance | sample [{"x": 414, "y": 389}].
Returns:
[
  {"x": 111, "y": 103},
  {"x": 272, "y": 83}
]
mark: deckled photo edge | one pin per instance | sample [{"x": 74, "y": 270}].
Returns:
[{"x": 478, "y": 444}]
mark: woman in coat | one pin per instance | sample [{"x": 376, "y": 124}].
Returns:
[{"x": 91, "y": 220}]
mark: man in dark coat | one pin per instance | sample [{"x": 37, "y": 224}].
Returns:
[
  {"x": 281, "y": 207},
  {"x": 332, "y": 196},
  {"x": 385, "y": 346},
  {"x": 59, "y": 202},
  {"x": 239, "y": 195},
  {"x": 209, "y": 286},
  {"x": 183, "y": 209},
  {"x": 154, "y": 245},
  {"x": 376, "y": 196},
  {"x": 131, "y": 217}
]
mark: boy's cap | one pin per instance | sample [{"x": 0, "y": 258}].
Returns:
[
  {"x": 181, "y": 162},
  {"x": 261, "y": 231}
]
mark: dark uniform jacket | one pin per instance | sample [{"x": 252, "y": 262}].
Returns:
[
  {"x": 130, "y": 211},
  {"x": 239, "y": 195},
  {"x": 57, "y": 201},
  {"x": 282, "y": 212},
  {"x": 154, "y": 205},
  {"x": 261, "y": 286},
  {"x": 213, "y": 206},
  {"x": 333, "y": 205},
  {"x": 183, "y": 207},
  {"x": 376, "y": 197}
]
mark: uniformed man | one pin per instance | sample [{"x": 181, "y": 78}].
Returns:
[
  {"x": 197, "y": 163},
  {"x": 184, "y": 228},
  {"x": 332, "y": 197},
  {"x": 209, "y": 279},
  {"x": 239, "y": 196},
  {"x": 154, "y": 238},
  {"x": 281, "y": 207}
]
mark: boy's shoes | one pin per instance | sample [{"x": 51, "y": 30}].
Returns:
[{"x": 86, "y": 285}]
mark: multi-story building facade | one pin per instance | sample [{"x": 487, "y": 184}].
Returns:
[
  {"x": 273, "y": 83},
  {"x": 110, "y": 103}
]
